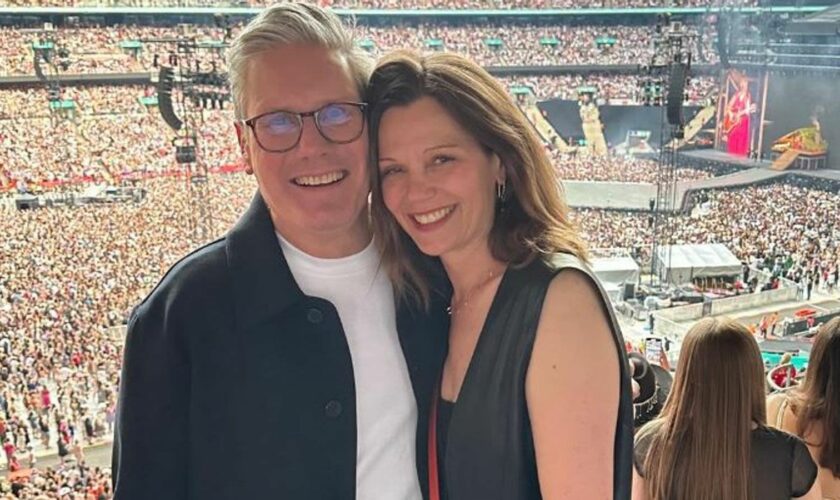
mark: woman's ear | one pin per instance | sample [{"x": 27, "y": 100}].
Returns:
[{"x": 499, "y": 170}]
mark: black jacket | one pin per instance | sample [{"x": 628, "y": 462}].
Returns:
[{"x": 236, "y": 385}]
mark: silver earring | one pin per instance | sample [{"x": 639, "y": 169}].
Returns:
[{"x": 500, "y": 191}]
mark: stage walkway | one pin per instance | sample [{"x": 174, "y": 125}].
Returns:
[
  {"x": 611, "y": 195},
  {"x": 832, "y": 175},
  {"x": 713, "y": 156},
  {"x": 637, "y": 196}
]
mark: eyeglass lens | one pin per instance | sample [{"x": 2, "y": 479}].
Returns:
[{"x": 338, "y": 122}]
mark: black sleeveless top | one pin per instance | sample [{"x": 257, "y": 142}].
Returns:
[
  {"x": 485, "y": 445},
  {"x": 781, "y": 466}
]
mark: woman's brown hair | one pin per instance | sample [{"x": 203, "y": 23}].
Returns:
[
  {"x": 700, "y": 444},
  {"x": 817, "y": 402},
  {"x": 535, "y": 220}
]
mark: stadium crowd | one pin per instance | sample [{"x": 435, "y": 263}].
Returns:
[
  {"x": 529, "y": 44},
  {"x": 94, "y": 49},
  {"x": 66, "y": 482},
  {"x": 99, "y": 147},
  {"x": 89, "y": 100},
  {"x": 382, "y": 4},
  {"x": 616, "y": 169},
  {"x": 101, "y": 50},
  {"x": 62, "y": 306},
  {"x": 609, "y": 88},
  {"x": 789, "y": 225},
  {"x": 64, "y": 303},
  {"x": 113, "y": 135}
]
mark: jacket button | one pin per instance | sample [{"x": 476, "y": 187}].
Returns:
[
  {"x": 333, "y": 409},
  {"x": 314, "y": 316}
]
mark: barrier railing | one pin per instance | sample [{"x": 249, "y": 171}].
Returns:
[
  {"x": 668, "y": 321},
  {"x": 751, "y": 300}
]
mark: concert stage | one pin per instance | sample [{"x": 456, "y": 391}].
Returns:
[
  {"x": 704, "y": 157},
  {"x": 629, "y": 196}
]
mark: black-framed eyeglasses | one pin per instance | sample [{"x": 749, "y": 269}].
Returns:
[{"x": 280, "y": 131}]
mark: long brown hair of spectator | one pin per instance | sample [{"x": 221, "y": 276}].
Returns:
[
  {"x": 535, "y": 220},
  {"x": 818, "y": 401},
  {"x": 700, "y": 449}
]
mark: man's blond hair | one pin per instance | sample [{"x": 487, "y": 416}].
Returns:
[{"x": 292, "y": 23}]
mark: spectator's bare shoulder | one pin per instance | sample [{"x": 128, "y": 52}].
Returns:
[
  {"x": 573, "y": 290},
  {"x": 574, "y": 318}
]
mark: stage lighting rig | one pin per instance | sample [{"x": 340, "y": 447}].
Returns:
[
  {"x": 664, "y": 81},
  {"x": 51, "y": 58},
  {"x": 185, "y": 149},
  {"x": 193, "y": 74},
  {"x": 670, "y": 64},
  {"x": 190, "y": 82}
]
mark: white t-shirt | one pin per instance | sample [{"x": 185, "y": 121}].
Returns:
[{"x": 386, "y": 413}]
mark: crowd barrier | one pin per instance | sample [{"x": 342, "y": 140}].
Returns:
[{"x": 674, "y": 322}]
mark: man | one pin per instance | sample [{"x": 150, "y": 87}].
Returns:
[{"x": 272, "y": 363}]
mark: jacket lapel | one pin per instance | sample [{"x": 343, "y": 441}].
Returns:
[{"x": 263, "y": 285}]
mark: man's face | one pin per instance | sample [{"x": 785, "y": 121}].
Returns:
[{"x": 317, "y": 191}]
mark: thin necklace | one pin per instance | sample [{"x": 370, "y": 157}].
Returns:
[{"x": 457, "y": 306}]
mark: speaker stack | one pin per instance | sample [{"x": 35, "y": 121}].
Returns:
[{"x": 166, "y": 79}]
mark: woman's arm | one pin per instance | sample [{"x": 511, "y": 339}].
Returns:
[{"x": 572, "y": 389}]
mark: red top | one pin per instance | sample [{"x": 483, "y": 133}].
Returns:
[{"x": 780, "y": 377}]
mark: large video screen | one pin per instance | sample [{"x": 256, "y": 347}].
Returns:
[{"x": 793, "y": 101}]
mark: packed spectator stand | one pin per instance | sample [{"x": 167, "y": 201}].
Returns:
[
  {"x": 99, "y": 50},
  {"x": 379, "y": 4},
  {"x": 785, "y": 220},
  {"x": 62, "y": 306}
]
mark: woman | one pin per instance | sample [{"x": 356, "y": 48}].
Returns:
[
  {"x": 534, "y": 396},
  {"x": 737, "y": 126},
  {"x": 711, "y": 441},
  {"x": 784, "y": 378},
  {"x": 812, "y": 411}
]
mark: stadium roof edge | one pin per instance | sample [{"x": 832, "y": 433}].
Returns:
[
  {"x": 825, "y": 22},
  {"x": 248, "y": 11}
]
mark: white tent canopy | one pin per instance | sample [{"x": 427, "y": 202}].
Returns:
[
  {"x": 614, "y": 271},
  {"x": 695, "y": 261}
]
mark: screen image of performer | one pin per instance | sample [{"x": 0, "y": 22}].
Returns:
[
  {"x": 593, "y": 129},
  {"x": 737, "y": 122}
]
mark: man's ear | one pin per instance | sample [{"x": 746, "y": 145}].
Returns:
[{"x": 243, "y": 147}]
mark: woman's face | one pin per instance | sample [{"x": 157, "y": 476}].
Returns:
[{"x": 437, "y": 180}]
